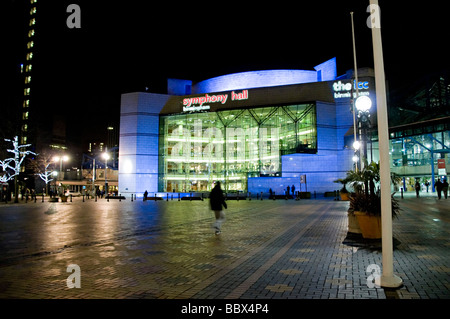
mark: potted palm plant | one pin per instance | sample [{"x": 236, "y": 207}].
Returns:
[
  {"x": 365, "y": 203},
  {"x": 343, "y": 192}
]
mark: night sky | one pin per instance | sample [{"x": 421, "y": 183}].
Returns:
[{"x": 128, "y": 46}]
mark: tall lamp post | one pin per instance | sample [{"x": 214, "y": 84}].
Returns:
[
  {"x": 356, "y": 143},
  {"x": 60, "y": 159},
  {"x": 106, "y": 158},
  {"x": 387, "y": 278}
]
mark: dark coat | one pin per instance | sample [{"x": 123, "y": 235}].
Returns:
[{"x": 216, "y": 199}]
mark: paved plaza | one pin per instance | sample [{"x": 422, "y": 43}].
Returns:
[{"x": 281, "y": 249}]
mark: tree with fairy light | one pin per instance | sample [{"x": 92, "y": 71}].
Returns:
[
  {"x": 41, "y": 166},
  {"x": 11, "y": 166}
]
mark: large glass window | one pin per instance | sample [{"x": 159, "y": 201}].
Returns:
[
  {"x": 416, "y": 150},
  {"x": 197, "y": 149}
]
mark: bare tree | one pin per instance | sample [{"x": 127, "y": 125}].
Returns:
[{"x": 40, "y": 166}]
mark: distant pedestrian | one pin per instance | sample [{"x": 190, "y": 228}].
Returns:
[
  {"x": 216, "y": 201},
  {"x": 293, "y": 190},
  {"x": 270, "y": 193},
  {"x": 145, "y": 195},
  {"x": 427, "y": 184},
  {"x": 445, "y": 188},
  {"x": 439, "y": 185},
  {"x": 417, "y": 186}
]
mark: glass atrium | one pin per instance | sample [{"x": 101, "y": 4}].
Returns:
[{"x": 197, "y": 149}]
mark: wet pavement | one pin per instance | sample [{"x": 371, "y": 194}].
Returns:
[{"x": 282, "y": 249}]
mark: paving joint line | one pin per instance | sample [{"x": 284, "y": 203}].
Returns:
[
  {"x": 240, "y": 290},
  {"x": 194, "y": 290}
]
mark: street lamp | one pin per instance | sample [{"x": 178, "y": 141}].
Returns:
[
  {"x": 106, "y": 158},
  {"x": 55, "y": 174},
  {"x": 363, "y": 104},
  {"x": 60, "y": 159},
  {"x": 388, "y": 278}
]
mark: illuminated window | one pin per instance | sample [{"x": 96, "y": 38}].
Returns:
[
  {"x": 32, "y": 22},
  {"x": 26, "y": 91},
  {"x": 33, "y": 11},
  {"x": 27, "y": 79},
  {"x": 31, "y": 33},
  {"x": 28, "y": 68},
  {"x": 24, "y": 127},
  {"x": 26, "y": 103},
  {"x": 25, "y": 116},
  {"x": 30, "y": 44},
  {"x": 29, "y": 56},
  {"x": 23, "y": 140}
]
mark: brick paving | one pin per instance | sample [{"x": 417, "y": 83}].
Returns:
[{"x": 165, "y": 250}]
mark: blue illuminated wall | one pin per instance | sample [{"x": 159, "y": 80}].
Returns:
[
  {"x": 267, "y": 78},
  {"x": 138, "y": 144}
]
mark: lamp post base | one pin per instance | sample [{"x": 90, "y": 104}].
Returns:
[{"x": 389, "y": 281}]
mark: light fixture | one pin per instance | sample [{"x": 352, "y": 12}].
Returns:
[
  {"x": 105, "y": 156},
  {"x": 363, "y": 103}
]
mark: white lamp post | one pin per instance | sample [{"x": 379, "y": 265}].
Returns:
[
  {"x": 60, "y": 159},
  {"x": 55, "y": 174},
  {"x": 387, "y": 278},
  {"x": 106, "y": 158}
]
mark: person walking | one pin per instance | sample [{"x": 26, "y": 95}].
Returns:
[
  {"x": 417, "y": 186},
  {"x": 216, "y": 201},
  {"x": 438, "y": 185},
  {"x": 445, "y": 188}
]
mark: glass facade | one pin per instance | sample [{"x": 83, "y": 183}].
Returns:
[
  {"x": 414, "y": 156},
  {"x": 197, "y": 149}
]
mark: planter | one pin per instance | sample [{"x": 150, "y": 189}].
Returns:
[
  {"x": 64, "y": 199},
  {"x": 345, "y": 196},
  {"x": 370, "y": 225},
  {"x": 353, "y": 225}
]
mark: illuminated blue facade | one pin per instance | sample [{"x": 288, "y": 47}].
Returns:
[
  {"x": 143, "y": 152},
  {"x": 267, "y": 78}
]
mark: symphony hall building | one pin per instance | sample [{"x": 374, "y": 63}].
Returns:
[{"x": 251, "y": 131}]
